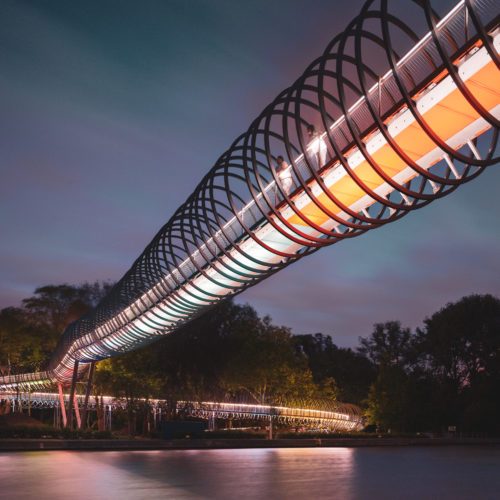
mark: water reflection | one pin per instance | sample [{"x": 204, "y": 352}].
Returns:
[{"x": 309, "y": 473}]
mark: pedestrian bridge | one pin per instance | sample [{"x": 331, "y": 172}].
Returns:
[
  {"x": 329, "y": 416},
  {"x": 399, "y": 110}
]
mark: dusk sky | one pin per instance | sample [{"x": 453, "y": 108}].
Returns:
[{"x": 111, "y": 112}]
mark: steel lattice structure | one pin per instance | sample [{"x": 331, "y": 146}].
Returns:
[{"x": 398, "y": 111}]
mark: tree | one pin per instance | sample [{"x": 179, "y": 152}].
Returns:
[
  {"x": 390, "y": 399},
  {"x": 349, "y": 372},
  {"x": 23, "y": 347},
  {"x": 193, "y": 359},
  {"x": 231, "y": 353},
  {"x": 28, "y": 335},
  {"x": 58, "y": 305},
  {"x": 131, "y": 377},
  {"x": 267, "y": 367},
  {"x": 460, "y": 347},
  {"x": 389, "y": 344},
  {"x": 446, "y": 374},
  {"x": 462, "y": 340}
]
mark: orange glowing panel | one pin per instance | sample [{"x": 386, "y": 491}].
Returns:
[{"x": 446, "y": 118}]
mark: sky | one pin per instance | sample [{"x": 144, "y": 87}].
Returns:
[{"x": 110, "y": 114}]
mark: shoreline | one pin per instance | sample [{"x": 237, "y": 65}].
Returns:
[{"x": 211, "y": 444}]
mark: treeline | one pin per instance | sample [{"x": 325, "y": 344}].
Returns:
[{"x": 446, "y": 373}]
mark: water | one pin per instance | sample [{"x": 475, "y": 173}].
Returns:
[{"x": 305, "y": 473}]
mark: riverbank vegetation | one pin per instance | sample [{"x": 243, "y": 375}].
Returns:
[{"x": 444, "y": 375}]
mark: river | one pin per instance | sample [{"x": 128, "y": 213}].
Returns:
[{"x": 471, "y": 472}]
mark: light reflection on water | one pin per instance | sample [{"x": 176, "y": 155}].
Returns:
[{"x": 302, "y": 473}]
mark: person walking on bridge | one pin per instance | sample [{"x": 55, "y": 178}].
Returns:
[
  {"x": 284, "y": 172},
  {"x": 316, "y": 148}
]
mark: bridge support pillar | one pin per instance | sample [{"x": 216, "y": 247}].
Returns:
[
  {"x": 72, "y": 395},
  {"x": 211, "y": 422},
  {"x": 77, "y": 412},
  {"x": 270, "y": 433},
  {"x": 108, "y": 417},
  {"x": 61, "y": 405},
  {"x": 57, "y": 420},
  {"x": 87, "y": 394}
]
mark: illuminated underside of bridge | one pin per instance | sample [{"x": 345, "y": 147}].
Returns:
[
  {"x": 333, "y": 416},
  {"x": 405, "y": 110}
]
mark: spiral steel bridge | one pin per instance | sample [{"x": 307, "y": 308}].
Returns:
[{"x": 403, "y": 109}]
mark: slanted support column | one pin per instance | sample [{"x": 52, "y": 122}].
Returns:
[
  {"x": 61, "y": 405},
  {"x": 87, "y": 393},
  {"x": 72, "y": 395},
  {"x": 77, "y": 412}
]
